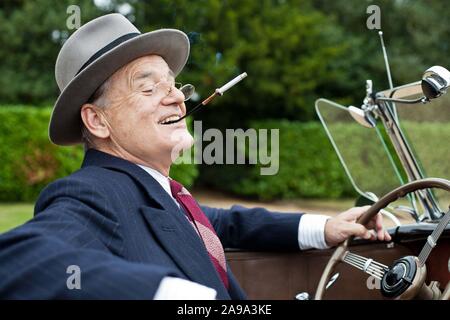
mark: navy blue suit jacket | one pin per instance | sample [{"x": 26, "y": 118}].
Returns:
[{"x": 125, "y": 233}]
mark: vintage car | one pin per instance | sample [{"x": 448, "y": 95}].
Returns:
[{"x": 396, "y": 173}]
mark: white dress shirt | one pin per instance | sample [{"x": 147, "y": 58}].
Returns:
[{"x": 311, "y": 234}]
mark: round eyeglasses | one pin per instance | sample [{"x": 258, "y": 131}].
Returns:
[{"x": 165, "y": 88}]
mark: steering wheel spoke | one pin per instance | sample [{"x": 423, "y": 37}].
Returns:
[
  {"x": 433, "y": 238},
  {"x": 366, "y": 265}
]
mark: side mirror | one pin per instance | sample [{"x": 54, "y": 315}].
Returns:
[
  {"x": 435, "y": 82},
  {"x": 361, "y": 117}
]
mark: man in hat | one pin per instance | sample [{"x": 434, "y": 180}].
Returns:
[{"x": 120, "y": 227}]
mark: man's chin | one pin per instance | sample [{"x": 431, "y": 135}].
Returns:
[{"x": 183, "y": 142}]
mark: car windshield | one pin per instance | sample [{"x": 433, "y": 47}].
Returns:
[
  {"x": 361, "y": 150},
  {"x": 367, "y": 155}
]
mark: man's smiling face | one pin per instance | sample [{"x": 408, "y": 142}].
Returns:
[{"x": 141, "y": 98}]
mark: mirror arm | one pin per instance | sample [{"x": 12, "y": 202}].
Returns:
[{"x": 404, "y": 101}]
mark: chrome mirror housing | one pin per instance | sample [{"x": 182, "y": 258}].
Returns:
[
  {"x": 361, "y": 117},
  {"x": 435, "y": 82}
]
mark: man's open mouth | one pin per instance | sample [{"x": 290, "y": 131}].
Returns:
[{"x": 169, "y": 120}]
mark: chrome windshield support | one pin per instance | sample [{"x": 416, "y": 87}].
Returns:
[{"x": 412, "y": 169}]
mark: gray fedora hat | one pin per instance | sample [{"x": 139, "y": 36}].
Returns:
[{"x": 92, "y": 54}]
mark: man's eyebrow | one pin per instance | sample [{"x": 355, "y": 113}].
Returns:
[
  {"x": 149, "y": 74},
  {"x": 143, "y": 75}
]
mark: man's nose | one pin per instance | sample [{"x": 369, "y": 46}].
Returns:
[{"x": 175, "y": 96}]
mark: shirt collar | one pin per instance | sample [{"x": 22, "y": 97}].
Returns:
[{"x": 158, "y": 176}]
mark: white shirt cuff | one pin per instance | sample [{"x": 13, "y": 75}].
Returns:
[
  {"x": 171, "y": 288},
  {"x": 311, "y": 232}
]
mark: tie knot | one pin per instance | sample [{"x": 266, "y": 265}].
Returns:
[{"x": 175, "y": 187}]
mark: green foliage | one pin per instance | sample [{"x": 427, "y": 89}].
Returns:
[
  {"x": 31, "y": 34},
  {"x": 280, "y": 47},
  {"x": 309, "y": 167},
  {"x": 294, "y": 51},
  {"x": 12, "y": 215},
  {"x": 430, "y": 143},
  {"x": 30, "y": 161},
  {"x": 413, "y": 34}
]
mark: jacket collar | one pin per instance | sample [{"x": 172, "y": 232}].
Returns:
[{"x": 154, "y": 190}]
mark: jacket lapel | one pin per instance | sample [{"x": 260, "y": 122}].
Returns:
[
  {"x": 184, "y": 246},
  {"x": 167, "y": 222}
]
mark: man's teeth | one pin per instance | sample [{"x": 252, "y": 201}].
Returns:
[{"x": 169, "y": 119}]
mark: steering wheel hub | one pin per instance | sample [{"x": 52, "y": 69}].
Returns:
[{"x": 399, "y": 277}]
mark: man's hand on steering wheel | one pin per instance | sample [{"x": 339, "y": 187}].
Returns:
[{"x": 341, "y": 227}]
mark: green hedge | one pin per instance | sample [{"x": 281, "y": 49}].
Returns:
[
  {"x": 29, "y": 161},
  {"x": 309, "y": 167}
]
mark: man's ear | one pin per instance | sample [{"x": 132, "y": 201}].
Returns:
[{"x": 94, "y": 121}]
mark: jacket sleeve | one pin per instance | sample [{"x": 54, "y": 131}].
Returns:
[
  {"x": 255, "y": 229},
  {"x": 73, "y": 226}
]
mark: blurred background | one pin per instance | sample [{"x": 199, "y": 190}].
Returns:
[{"x": 294, "y": 51}]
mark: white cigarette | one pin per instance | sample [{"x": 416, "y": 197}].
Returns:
[{"x": 231, "y": 83}]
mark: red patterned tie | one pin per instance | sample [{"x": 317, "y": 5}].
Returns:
[{"x": 203, "y": 227}]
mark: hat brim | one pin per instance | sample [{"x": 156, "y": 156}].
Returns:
[{"x": 65, "y": 122}]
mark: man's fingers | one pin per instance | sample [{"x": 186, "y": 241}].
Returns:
[
  {"x": 376, "y": 223},
  {"x": 373, "y": 235},
  {"x": 387, "y": 236},
  {"x": 381, "y": 234},
  {"x": 379, "y": 226},
  {"x": 379, "y": 221},
  {"x": 358, "y": 230},
  {"x": 371, "y": 224},
  {"x": 353, "y": 214},
  {"x": 373, "y": 231}
]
